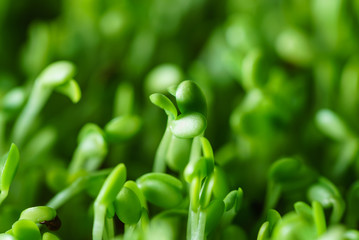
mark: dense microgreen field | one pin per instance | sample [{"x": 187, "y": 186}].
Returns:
[{"x": 184, "y": 119}]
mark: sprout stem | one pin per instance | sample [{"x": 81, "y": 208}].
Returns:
[
  {"x": 110, "y": 228},
  {"x": 37, "y": 100},
  {"x": 76, "y": 187},
  {"x": 99, "y": 221},
  {"x": 160, "y": 158}
]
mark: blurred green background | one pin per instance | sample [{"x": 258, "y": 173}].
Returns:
[{"x": 266, "y": 67}]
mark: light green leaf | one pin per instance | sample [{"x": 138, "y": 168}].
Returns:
[
  {"x": 57, "y": 73},
  {"x": 161, "y": 189},
  {"x": 123, "y": 128},
  {"x": 26, "y": 229},
  {"x": 190, "y": 98},
  {"x": 165, "y": 103},
  {"x": 70, "y": 89},
  {"x": 8, "y": 166},
  {"x": 332, "y": 125},
  {"x": 189, "y": 125},
  {"x": 112, "y": 185}
]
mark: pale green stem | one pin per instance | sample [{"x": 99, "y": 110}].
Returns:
[
  {"x": 110, "y": 231},
  {"x": 81, "y": 162},
  {"x": 192, "y": 223},
  {"x": 129, "y": 231},
  {"x": 76, "y": 187},
  {"x": 37, "y": 100},
  {"x": 196, "y": 149},
  {"x": 337, "y": 212},
  {"x": 77, "y": 161},
  {"x": 272, "y": 197},
  {"x": 161, "y": 153},
  {"x": 144, "y": 221},
  {"x": 99, "y": 221},
  {"x": 199, "y": 233},
  {"x": 62, "y": 197}
]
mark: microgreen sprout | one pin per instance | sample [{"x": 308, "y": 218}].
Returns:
[
  {"x": 8, "y": 166},
  {"x": 57, "y": 76},
  {"x": 262, "y": 142},
  {"x": 328, "y": 195},
  {"x": 91, "y": 150},
  {"x": 104, "y": 202}
]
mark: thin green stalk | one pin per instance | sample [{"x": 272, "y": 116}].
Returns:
[
  {"x": 160, "y": 158},
  {"x": 190, "y": 221},
  {"x": 76, "y": 187},
  {"x": 144, "y": 221},
  {"x": 37, "y": 100},
  {"x": 272, "y": 196},
  {"x": 193, "y": 218},
  {"x": 99, "y": 221},
  {"x": 199, "y": 231},
  {"x": 109, "y": 228},
  {"x": 196, "y": 149},
  {"x": 81, "y": 161}
]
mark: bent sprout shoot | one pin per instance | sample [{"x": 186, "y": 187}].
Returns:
[
  {"x": 8, "y": 166},
  {"x": 57, "y": 76},
  {"x": 106, "y": 198}
]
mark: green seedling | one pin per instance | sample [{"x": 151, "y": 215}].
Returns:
[
  {"x": 332, "y": 125},
  {"x": 294, "y": 226},
  {"x": 304, "y": 210},
  {"x": 104, "y": 202},
  {"x": 128, "y": 206},
  {"x": 25, "y": 229},
  {"x": 124, "y": 100},
  {"x": 263, "y": 233},
  {"x": 232, "y": 204},
  {"x": 255, "y": 70},
  {"x": 122, "y": 128},
  {"x": 328, "y": 195},
  {"x": 319, "y": 218},
  {"x": 189, "y": 125},
  {"x": 42, "y": 215},
  {"x": 8, "y": 166},
  {"x": 162, "y": 77},
  {"x": 287, "y": 174},
  {"x": 91, "y": 150},
  {"x": 233, "y": 200},
  {"x": 13, "y": 101},
  {"x": 166, "y": 225},
  {"x": 266, "y": 230},
  {"x": 164, "y": 103},
  {"x": 79, "y": 185},
  {"x": 161, "y": 189},
  {"x": 294, "y": 46},
  {"x": 190, "y": 98},
  {"x": 57, "y": 76}
]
